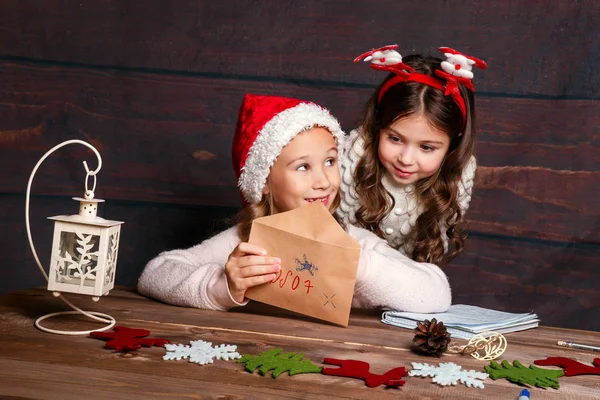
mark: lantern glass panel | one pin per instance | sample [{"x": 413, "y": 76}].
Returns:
[
  {"x": 77, "y": 258},
  {"x": 111, "y": 257}
]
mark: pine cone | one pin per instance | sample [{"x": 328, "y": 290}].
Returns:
[{"x": 431, "y": 337}]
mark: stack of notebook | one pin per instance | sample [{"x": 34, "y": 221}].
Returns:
[{"x": 464, "y": 322}]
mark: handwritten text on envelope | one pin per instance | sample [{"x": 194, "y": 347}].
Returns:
[{"x": 318, "y": 263}]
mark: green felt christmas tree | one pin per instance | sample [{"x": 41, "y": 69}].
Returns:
[
  {"x": 279, "y": 362},
  {"x": 518, "y": 373}
]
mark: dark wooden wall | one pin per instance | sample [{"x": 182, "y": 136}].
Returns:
[{"x": 156, "y": 86}]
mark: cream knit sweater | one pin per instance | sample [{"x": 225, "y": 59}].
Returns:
[
  {"x": 195, "y": 277},
  {"x": 399, "y": 223}
]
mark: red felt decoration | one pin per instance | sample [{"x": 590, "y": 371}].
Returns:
[
  {"x": 124, "y": 338},
  {"x": 360, "y": 370},
  {"x": 571, "y": 367}
]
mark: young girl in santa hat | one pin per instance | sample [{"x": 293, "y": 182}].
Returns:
[
  {"x": 285, "y": 153},
  {"x": 407, "y": 171}
]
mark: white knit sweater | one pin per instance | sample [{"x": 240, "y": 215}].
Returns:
[
  {"x": 399, "y": 224},
  {"x": 195, "y": 277}
]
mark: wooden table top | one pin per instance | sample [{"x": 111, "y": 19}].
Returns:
[{"x": 39, "y": 365}]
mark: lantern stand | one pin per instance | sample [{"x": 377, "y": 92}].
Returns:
[{"x": 89, "y": 195}]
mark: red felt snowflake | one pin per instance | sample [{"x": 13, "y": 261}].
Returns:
[
  {"x": 124, "y": 338},
  {"x": 571, "y": 367},
  {"x": 360, "y": 370}
]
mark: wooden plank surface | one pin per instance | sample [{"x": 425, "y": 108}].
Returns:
[
  {"x": 167, "y": 139},
  {"x": 48, "y": 363},
  {"x": 541, "y": 48}
]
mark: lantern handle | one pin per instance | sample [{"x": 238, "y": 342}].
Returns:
[
  {"x": 93, "y": 315},
  {"x": 89, "y": 194}
]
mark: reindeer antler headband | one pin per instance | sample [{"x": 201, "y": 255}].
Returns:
[{"x": 456, "y": 69}]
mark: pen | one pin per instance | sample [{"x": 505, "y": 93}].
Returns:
[
  {"x": 578, "y": 345},
  {"x": 524, "y": 395}
]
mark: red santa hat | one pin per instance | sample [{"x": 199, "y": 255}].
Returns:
[{"x": 266, "y": 124}]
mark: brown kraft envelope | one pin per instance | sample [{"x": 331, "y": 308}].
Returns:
[{"x": 318, "y": 263}]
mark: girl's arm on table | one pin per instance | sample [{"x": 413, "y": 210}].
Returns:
[
  {"x": 388, "y": 279},
  {"x": 193, "y": 277}
]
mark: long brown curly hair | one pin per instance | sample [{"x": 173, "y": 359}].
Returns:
[{"x": 438, "y": 194}]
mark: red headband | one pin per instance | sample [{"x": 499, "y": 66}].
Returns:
[{"x": 456, "y": 69}]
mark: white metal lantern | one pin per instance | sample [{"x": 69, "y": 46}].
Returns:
[{"x": 84, "y": 252}]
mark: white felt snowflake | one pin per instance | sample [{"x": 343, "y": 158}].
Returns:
[
  {"x": 200, "y": 352},
  {"x": 449, "y": 374}
]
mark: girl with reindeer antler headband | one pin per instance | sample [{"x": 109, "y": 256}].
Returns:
[{"x": 408, "y": 169}]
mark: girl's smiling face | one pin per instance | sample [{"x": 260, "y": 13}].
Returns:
[
  {"x": 411, "y": 149},
  {"x": 305, "y": 171}
]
